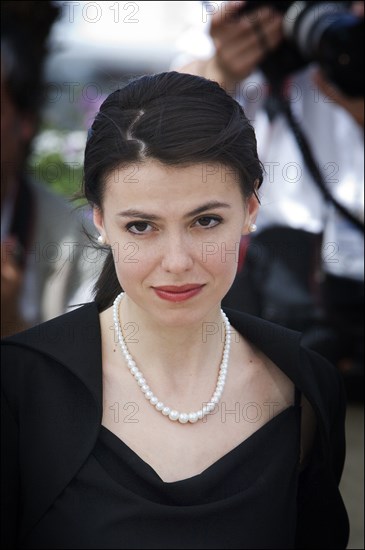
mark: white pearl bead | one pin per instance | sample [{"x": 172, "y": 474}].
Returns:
[
  {"x": 154, "y": 400},
  {"x": 166, "y": 411},
  {"x": 141, "y": 381},
  {"x": 183, "y": 418},
  {"x": 200, "y": 414},
  {"x": 174, "y": 415},
  {"x": 131, "y": 364},
  {"x": 145, "y": 388},
  {"x": 138, "y": 375},
  {"x": 134, "y": 370},
  {"x": 193, "y": 417},
  {"x": 148, "y": 394},
  {"x": 159, "y": 406}
]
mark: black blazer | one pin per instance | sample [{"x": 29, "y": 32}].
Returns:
[{"x": 52, "y": 412}]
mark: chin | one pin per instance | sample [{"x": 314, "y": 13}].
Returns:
[
  {"x": 183, "y": 314},
  {"x": 180, "y": 319}
]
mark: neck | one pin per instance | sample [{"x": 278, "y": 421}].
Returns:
[{"x": 174, "y": 355}]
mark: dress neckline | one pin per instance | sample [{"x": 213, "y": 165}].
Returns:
[{"x": 111, "y": 440}]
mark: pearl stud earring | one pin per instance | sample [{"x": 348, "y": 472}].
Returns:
[
  {"x": 101, "y": 239},
  {"x": 252, "y": 227}
]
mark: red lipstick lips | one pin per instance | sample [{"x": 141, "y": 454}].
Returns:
[{"x": 177, "y": 293}]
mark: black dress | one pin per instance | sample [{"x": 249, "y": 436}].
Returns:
[
  {"x": 246, "y": 499},
  {"x": 59, "y": 492}
]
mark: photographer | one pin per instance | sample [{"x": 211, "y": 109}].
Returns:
[
  {"x": 43, "y": 249},
  {"x": 303, "y": 268}
]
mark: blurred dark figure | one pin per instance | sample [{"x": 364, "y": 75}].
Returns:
[
  {"x": 303, "y": 268},
  {"x": 42, "y": 260}
]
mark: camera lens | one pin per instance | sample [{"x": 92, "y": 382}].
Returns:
[{"x": 326, "y": 32}]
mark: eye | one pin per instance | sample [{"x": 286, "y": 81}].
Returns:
[
  {"x": 209, "y": 221},
  {"x": 139, "y": 228}
]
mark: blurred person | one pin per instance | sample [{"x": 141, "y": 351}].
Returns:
[
  {"x": 304, "y": 266},
  {"x": 43, "y": 248},
  {"x": 92, "y": 458}
]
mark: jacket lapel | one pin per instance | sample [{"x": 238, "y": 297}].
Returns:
[
  {"x": 74, "y": 341},
  {"x": 63, "y": 407}
]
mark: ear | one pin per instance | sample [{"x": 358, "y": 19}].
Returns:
[
  {"x": 251, "y": 213},
  {"x": 98, "y": 220}
]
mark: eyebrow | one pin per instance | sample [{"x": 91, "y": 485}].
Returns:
[{"x": 132, "y": 213}]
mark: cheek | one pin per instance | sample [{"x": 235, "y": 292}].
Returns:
[
  {"x": 130, "y": 261},
  {"x": 222, "y": 255}
]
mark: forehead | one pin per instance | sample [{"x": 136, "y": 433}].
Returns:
[{"x": 152, "y": 180}]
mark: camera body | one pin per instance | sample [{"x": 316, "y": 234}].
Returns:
[{"x": 323, "y": 32}]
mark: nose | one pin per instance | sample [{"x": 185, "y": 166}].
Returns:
[{"x": 177, "y": 254}]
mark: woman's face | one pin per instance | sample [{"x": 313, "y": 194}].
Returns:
[{"x": 172, "y": 227}]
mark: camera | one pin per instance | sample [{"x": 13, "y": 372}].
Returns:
[{"x": 323, "y": 32}]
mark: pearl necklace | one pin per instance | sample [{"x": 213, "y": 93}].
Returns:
[{"x": 170, "y": 412}]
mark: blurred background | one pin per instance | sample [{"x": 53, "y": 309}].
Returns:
[{"x": 95, "y": 48}]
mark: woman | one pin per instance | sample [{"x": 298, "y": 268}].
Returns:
[{"x": 149, "y": 418}]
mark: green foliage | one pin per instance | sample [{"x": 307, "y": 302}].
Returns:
[{"x": 56, "y": 161}]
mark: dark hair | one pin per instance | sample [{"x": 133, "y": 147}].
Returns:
[{"x": 177, "y": 119}]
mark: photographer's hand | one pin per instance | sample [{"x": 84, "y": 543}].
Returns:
[
  {"x": 354, "y": 106},
  {"x": 241, "y": 43}
]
